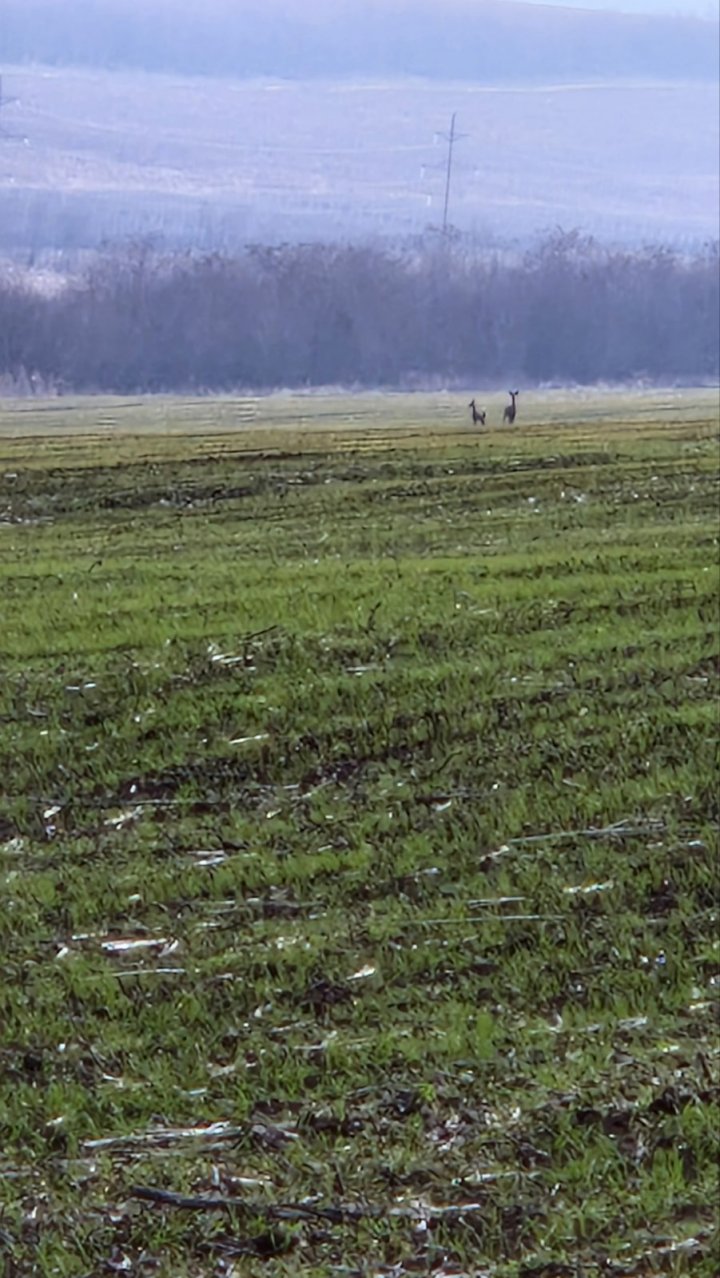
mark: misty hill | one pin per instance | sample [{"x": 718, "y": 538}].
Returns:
[
  {"x": 488, "y": 41},
  {"x": 91, "y": 155}
]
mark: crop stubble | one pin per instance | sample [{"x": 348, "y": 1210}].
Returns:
[{"x": 358, "y": 837}]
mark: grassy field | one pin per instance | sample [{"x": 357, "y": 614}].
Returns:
[{"x": 358, "y": 837}]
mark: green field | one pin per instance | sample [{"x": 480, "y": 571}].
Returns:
[{"x": 358, "y": 837}]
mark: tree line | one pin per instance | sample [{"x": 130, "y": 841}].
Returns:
[{"x": 568, "y": 311}]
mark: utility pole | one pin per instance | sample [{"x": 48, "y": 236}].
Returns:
[{"x": 451, "y": 138}]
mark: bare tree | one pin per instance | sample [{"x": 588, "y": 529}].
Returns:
[{"x": 299, "y": 315}]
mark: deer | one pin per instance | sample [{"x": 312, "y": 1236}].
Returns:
[
  {"x": 511, "y": 409},
  {"x": 478, "y": 414}
]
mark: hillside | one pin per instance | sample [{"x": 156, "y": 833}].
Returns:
[
  {"x": 88, "y": 155},
  {"x": 483, "y": 40}
]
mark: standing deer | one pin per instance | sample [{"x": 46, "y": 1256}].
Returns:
[
  {"x": 511, "y": 409},
  {"x": 478, "y": 416}
]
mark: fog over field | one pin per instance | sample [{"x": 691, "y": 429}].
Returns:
[
  {"x": 216, "y": 163},
  {"x": 211, "y": 127}
]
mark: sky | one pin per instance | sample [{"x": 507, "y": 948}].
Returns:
[{"x": 701, "y": 8}]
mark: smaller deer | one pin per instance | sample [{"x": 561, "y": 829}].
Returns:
[
  {"x": 511, "y": 409},
  {"x": 478, "y": 414}
]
